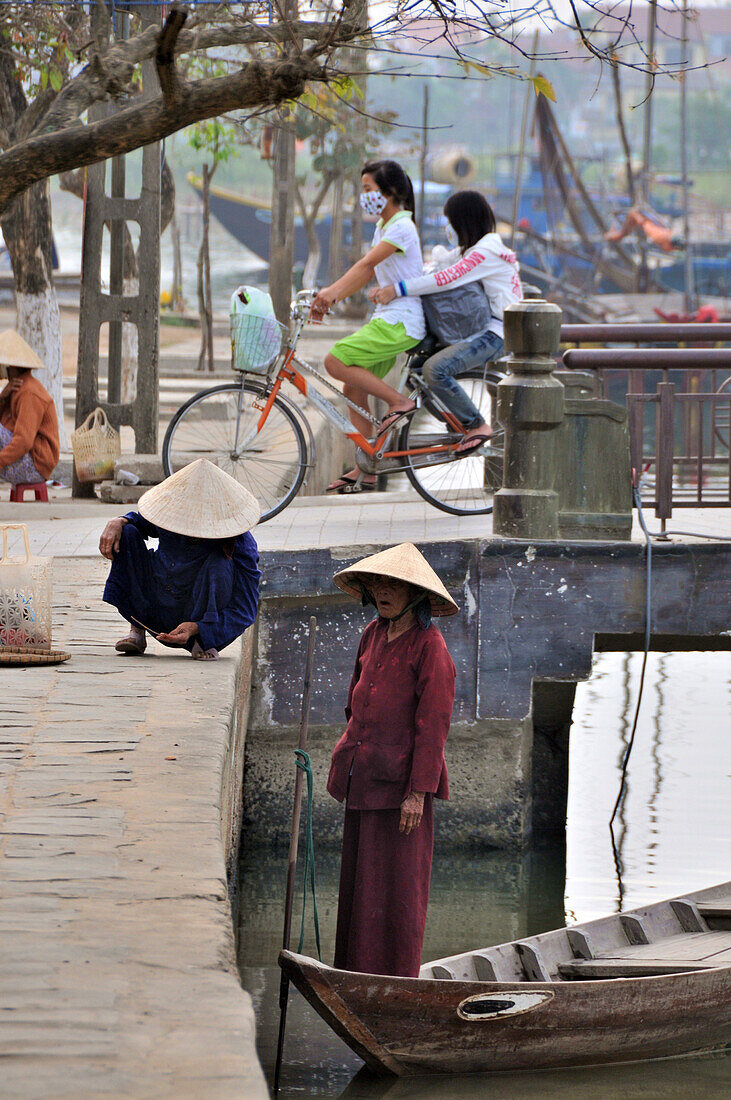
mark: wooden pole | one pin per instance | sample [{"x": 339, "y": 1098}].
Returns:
[
  {"x": 293, "y": 844},
  {"x": 422, "y": 161},
  {"x": 689, "y": 275},
  {"x": 647, "y": 143},
  {"x": 529, "y": 97}
]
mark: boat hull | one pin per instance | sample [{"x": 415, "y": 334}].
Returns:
[{"x": 411, "y": 1026}]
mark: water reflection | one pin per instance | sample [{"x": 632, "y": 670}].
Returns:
[
  {"x": 672, "y": 838},
  {"x": 657, "y": 1081}
]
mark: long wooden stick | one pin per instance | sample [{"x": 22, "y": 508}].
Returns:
[{"x": 293, "y": 844}]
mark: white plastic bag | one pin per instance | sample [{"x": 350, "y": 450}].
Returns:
[
  {"x": 256, "y": 335},
  {"x": 25, "y": 596}
]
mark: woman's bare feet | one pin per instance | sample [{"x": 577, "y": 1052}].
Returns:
[
  {"x": 200, "y": 654},
  {"x": 133, "y": 644}
]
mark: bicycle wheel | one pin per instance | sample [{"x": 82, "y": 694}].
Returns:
[
  {"x": 460, "y": 486},
  {"x": 271, "y": 463}
]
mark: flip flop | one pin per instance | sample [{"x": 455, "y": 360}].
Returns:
[
  {"x": 474, "y": 444},
  {"x": 390, "y": 419},
  {"x": 347, "y": 484}
]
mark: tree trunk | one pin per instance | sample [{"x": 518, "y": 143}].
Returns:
[
  {"x": 335, "y": 268},
  {"x": 281, "y": 238},
  {"x": 176, "y": 302},
  {"x": 309, "y": 275},
  {"x": 28, "y": 231},
  {"x": 205, "y": 305},
  {"x": 623, "y": 132},
  {"x": 130, "y": 345}
]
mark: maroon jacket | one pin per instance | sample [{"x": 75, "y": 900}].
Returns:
[{"x": 399, "y": 708}]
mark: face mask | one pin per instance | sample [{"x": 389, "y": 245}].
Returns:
[
  {"x": 451, "y": 235},
  {"x": 372, "y": 202}
]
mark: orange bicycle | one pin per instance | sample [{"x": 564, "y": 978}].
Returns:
[{"x": 263, "y": 438}]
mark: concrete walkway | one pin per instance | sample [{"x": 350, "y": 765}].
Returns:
[
  {"x": 73, "y": 528},
  {"x": 117, "y": 966}
]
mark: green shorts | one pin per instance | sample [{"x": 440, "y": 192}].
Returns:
[{"x": 374, "y": 347}]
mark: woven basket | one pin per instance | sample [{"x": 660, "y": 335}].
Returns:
[
  {"x": 25, "y": 598},
  {"x": 96, "y": 446}
]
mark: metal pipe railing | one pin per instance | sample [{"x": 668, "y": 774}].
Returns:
[
  {"x": 719, "y": 332},
  {"x": 647, "y": 358}
]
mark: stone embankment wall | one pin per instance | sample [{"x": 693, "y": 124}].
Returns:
[{"x": 532, "y": 615}]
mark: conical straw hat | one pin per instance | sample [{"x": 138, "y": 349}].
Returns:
[
  {"x": 14, "y": 352},
  {"x": 201, "y": 501},
  {"x": 405, "y": 563}
]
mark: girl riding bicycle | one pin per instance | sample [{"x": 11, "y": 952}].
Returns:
[
  {"x": 479, "y": 254},
  {"x": 362, "y": 360}
]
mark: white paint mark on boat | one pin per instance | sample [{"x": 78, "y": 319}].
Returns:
[{"x": 498, "y": 1005}]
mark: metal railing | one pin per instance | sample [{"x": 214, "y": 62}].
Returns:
[{"x": 684, "y": 457}]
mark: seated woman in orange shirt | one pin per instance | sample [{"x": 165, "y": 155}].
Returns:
[{"x": 29, "y": 444}]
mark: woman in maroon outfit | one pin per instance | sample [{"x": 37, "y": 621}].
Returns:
[{"x": 389, "y": 764}]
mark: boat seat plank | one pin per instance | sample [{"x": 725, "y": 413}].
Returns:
[
  {"x": 603, "y": 937},
  {"x": 634, "y": 928},
  {"x": 686, "y": 947},
  {"x": 716, "y": 914},
  {"x": 588, "y": 969},
  {"x": 484, "y": 968},
  {"x": 533, "y": 964},
  {"x": 443, "y": 973},
  {"x": 690, "y": 917}
]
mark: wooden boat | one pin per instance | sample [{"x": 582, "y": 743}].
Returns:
[{"x": 651, "y": 983}]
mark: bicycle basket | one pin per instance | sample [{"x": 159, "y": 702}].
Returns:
[{"x": 256, "y": 335}]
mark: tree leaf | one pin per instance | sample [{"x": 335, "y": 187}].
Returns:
[
  {"x": 56, "y": 78},
  {"x": 541, "y": 86}
]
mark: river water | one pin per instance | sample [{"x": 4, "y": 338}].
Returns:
[{"x": 672, "y": 836}]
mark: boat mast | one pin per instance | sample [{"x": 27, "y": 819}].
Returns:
[{"x": 690, "y": 301}]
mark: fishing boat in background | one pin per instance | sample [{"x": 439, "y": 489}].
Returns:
[
  {"x": 654, "y": 982},
  {"x": 249, "y": 221}
]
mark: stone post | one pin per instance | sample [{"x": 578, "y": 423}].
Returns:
[{"x": 531, "y": 409}]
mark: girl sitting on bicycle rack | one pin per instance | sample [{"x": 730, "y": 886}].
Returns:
[
  {"x": 479, "y": 254},
  {"x": 362, "y": 360}
]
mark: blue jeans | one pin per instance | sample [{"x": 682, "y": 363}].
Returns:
[{"x": 439, "y": 373}]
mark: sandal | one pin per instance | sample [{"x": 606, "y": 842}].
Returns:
[
  {"x": 347, "y": 484},
  {"x": 392, "y": 418},
  {"x": 132, "y": 645},
  {"x": 474, "y": 444}
]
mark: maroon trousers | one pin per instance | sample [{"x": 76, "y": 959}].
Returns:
[{"x": 384, "y": 891}]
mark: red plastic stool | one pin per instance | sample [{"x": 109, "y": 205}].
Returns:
[{"x": 38, "y": 487}]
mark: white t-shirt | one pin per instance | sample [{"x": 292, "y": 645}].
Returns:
[
  {"x": 490, "y": 261},
  {"x": 405, "y": 263}
]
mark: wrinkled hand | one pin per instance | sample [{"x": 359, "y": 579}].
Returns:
[
  {"x": 382, "y": 295},
  {"x": 180, "y": 635},
  {"x": 110, "y": 537},
  {"x": 321, "y": 304},
  {"x": 12, "y": 387},
  {"x": 412, "y": 811}
]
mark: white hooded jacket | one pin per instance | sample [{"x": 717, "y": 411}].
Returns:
[{"x": 489, "y": 260}]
